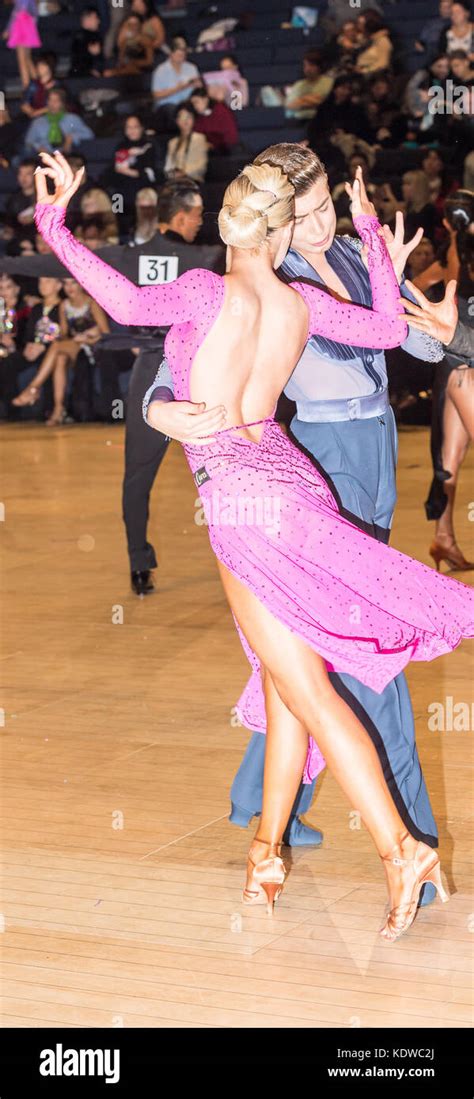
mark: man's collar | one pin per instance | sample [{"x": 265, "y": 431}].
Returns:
[{"x": 170, "y": 234}]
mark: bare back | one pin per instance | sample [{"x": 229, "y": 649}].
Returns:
[{"x": 251, "y": 350}]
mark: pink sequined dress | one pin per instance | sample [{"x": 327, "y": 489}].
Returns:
[
  {"x": 272, "y": 518},
  {"x": 22, "y": 28}
]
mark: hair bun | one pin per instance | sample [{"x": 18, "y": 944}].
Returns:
[{"x": 258, "y": 201}]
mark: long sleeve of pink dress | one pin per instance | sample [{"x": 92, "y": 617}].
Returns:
[
  {"x": 193, "y": 295},
  {"x": 272, "y": 518}
]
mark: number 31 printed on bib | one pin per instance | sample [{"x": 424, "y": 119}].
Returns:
[{"x": 157, "y": 269}]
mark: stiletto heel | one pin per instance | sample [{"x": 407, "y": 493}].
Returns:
[
  {"x": 435, "y": 878},
  {"x": 268, "y": 875},
  {"x": 272, "y": 890},
  {"x": 453, "y": 556},
  {"x": 401, "y": 916}
]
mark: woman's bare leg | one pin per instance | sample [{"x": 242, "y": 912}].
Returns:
[
  {"x": 300, "y": 679},
  {"x": 25, "y": 65},
  {"x": 458, "y": 430},
  {"x": 285, "y": 754},
  {"x": 59, "y": 388},
  {"x": 59, "y": 347}
]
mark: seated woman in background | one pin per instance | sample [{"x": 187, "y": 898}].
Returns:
[
  {"x": 135, "y": 49},
  {"x": 186, "y": 153},
  {"x": 96, "y": 203},
  {"x": 146, "y": 217},
  {"x": 215, "y": 121},
  {"x": 152, "y": 26},
  {"x": 40, "y": 330},
  {"x": 134, "y": 161},
  {"x": 81, "y": 322},
  {"x": 227, "y": 85}
]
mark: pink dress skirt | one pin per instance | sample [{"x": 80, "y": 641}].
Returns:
[
  {"x": 23, "y": 32},
  {"x": 367, "y": 609}
]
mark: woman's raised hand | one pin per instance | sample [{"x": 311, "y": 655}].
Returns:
[
  {"x": 360, "y": 203},
  {"x": 66, "y": 182}
]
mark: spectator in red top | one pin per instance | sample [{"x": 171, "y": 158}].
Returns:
[{"x": 215, "y": 121}]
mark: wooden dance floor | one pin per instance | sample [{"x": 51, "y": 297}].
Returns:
[{"x": 122, "y": 875}]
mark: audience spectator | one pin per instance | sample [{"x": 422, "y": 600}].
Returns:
[
  {"x": 187, "y": 153},
  {"x": 386, "y": 122},
  {"x": 418, "y": 92},
  {"x": 377, "y": 49},
  {"x": 427, "y": 43},
  {"x": 461, "y": 68},
  {"x": 342, "y": 51},
  {"x": 152, "y": 26},
  {"x": 41, "y": 329},
  {"x": 421, "y": 258},
  {"x": 13, "y": 316},
  {"x": 305, "y": 96},
  {"x": 82, "y": 323},
  {"x": 8, "y": 131},
  {"x": 87, "y": 46},
  {"x": 418, "y": 209},
  {"x": 215, "y": 121},
  {"x": 134, "y": 162},
  {"x": 338, "y": 112},
  {"x": 20, "y": 207},
  {"x": 57, "y": 128},
  {"x": 134, "y": 47},
  {"x": 439, "y": 183},
  {"x": 227, "y": 85},
  {"x": 229, "y": 65},
  {"x": 339, "y": 195},
  {"x": 34, "y": 102},
  {"x": 96, "y": 205},
  {"x": 459, "y": 35},
  {"x": 173, "y": 79},
  {"x": 146, "y": 216}
]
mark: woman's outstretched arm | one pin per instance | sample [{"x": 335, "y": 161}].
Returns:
[
  {"x": 380, "y": 326},
  {"x": 171, "y": 303}
]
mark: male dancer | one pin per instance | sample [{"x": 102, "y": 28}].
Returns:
[{"x": 345, "y": 422}]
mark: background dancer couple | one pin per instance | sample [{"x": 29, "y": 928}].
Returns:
[{"x": 291, "y": 597}]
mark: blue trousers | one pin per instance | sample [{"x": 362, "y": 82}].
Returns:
[{"x": 358, "y": 458}]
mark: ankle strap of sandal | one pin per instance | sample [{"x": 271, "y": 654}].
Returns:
[{"x": 258, "y": 839}]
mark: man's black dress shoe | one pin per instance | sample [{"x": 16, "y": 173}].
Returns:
[{"x": 142, "y": 583}]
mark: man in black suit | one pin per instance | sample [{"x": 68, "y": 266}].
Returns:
[{"x": 168, "y": 254}]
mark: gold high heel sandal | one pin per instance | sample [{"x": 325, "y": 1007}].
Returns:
[
  {"x": 268, "y": 875},
  {"x": 426, "y": 867}
]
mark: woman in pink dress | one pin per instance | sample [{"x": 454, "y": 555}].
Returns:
[
  {"x": 308, "y": 590},
  {"x": 22, "y": 36}
]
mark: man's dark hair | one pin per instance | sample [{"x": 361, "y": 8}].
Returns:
[
  {"x": 459, "y": 55},
  {"x": 27, "y": 162},
  {"x": 90, "y": 9},
  {"x": 175, "y": 197},
  {"x": 59, "y": 92},
  {"x": 315, "y": 57},
  {"x": 373, "y": 21},
  {"x": 48, "y": 57}
]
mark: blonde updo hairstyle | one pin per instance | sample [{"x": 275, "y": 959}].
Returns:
[{"x": 256, "y": 203}]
